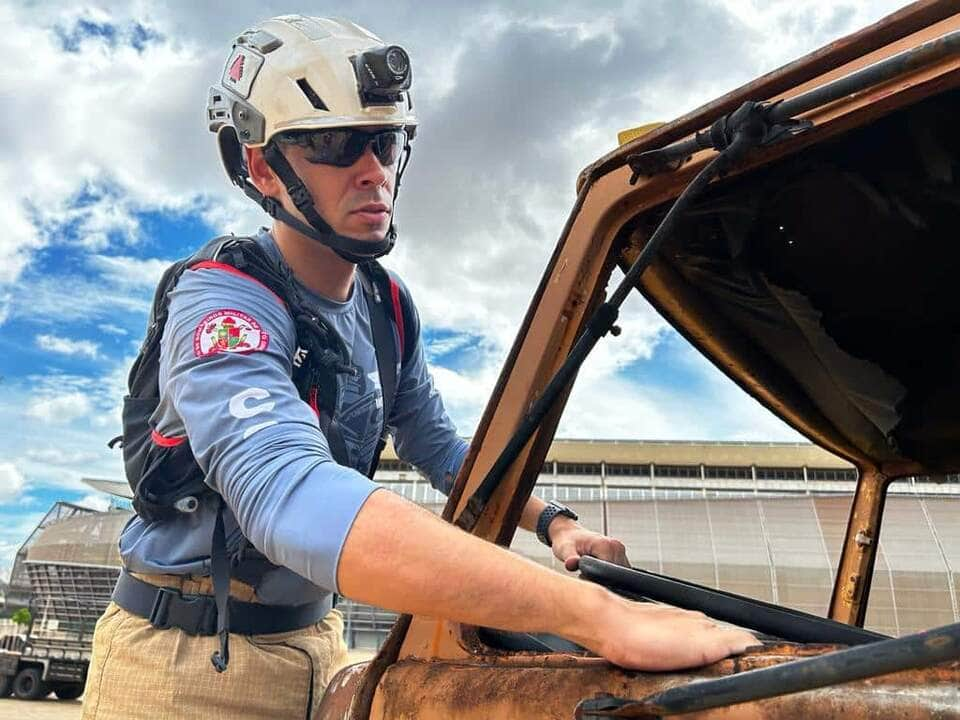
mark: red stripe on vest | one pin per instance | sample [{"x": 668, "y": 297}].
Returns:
[
  {"x": 397, "y": 312},
  {"x": 213, "y": 265},
  {"x": 162, "y": 441}
]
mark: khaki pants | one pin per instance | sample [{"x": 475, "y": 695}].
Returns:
[{"x": 138, "y": 671}]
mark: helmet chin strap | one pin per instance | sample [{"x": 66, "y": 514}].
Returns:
[{"x": 350, "y": 249}]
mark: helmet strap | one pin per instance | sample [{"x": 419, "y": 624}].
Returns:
[{"x": 350, "y": 249}]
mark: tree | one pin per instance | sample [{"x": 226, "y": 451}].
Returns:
[{"x": 22, "y": 617}]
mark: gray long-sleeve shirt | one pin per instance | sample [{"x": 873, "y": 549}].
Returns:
[{"x": 225, "y": 380}]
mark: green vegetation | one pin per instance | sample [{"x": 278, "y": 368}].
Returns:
[{"x": 22, "y": 617}]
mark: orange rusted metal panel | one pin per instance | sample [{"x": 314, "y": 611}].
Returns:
[{"x": 549, "y": 687}]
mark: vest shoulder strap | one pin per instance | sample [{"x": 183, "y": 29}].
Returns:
[{"x": 393, "y": 336}]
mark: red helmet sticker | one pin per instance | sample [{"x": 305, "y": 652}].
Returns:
[
  {"x": 228, "y": 331},
  {"x": 241, "y": 70},
  {"x": 236, "y": 69}
]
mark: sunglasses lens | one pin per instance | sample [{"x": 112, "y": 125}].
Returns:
[
  {"x": 388, "y": 145},
  {"x": 333, "y": 147},
  {"x": 342, "y": 147}
]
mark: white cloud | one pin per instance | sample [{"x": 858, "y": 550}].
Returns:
[
  {"x": 111, "y": 329},
  {"x": 110, "y": 148},
  {"x": 60, "y": 457},
  {"x": 91, "y": 223},
  {"x": 11, "y": 482},
  {"x": 783, "y": 30},
  {"x": 62, "y": 425},
  {"x": 630, "y": 408},
  {"x": 59, "y": 409},
  {"x": 125, "y": 270},
  {"x": 67, "y": 346},
  {"x": 40, "y": 299},
  {"x": 465, "y": 394},
  {"x": 439, "y": 347},
  {"x": 95, "y": 501}
]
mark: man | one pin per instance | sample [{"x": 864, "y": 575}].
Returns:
[{"x": 314, "y": 120}]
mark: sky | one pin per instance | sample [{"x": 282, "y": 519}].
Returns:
[{"x": 109, "y": 174}]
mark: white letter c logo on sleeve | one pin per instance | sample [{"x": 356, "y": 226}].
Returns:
[{"x": 242, "y": 411}]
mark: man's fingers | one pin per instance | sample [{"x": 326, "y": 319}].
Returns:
[
  {"x": 620, "y": 554},
  {"x": 608, "y": 549},
  {"x": 737, "y": 641},
  {"x": 622, "y": 557},
  {"x": 588, "y": 543}
]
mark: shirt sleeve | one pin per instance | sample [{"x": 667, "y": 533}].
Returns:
[
  {"x": 225, "y": 373},
  {"x": 424, "y": 435}
]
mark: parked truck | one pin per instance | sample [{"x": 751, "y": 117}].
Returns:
[{"x": 71, "y": 564}]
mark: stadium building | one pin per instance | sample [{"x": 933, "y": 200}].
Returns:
[{"x": 759, "y": 519}]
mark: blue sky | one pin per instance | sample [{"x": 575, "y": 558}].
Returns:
[{"x": 109, "y": 174}]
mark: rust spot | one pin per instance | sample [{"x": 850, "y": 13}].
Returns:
[{"x": 939, "y": 641}]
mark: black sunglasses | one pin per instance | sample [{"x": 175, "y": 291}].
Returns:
[{"x": 344, "y": 146}]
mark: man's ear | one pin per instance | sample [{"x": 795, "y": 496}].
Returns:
[{"x": 261, "y": 174}]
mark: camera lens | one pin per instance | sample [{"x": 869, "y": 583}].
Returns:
[
  {"x": 397, "y": 61},
  {"x": 383, "y": 73}
]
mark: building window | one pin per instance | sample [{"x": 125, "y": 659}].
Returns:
[
  {"x": 578, "y": 468},
  {"x": 727, "y": 473},
  {"x": 830, "y": 474},
  {"x": 775, "y": 473},
  {"x": 677, "y": 471},
  {"x": 395, "y": 466},
  {"x": 628, "y": 469}
]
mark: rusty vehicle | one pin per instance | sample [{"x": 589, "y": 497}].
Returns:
[{"x": 801, "y": 233}]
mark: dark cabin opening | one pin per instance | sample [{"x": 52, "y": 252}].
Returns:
[{"x": 840, "y": 265}]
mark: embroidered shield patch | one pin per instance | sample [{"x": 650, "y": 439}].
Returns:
[{"x": 229, "y": 331}]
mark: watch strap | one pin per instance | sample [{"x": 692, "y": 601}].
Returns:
[{"x": 547, "y": 515}]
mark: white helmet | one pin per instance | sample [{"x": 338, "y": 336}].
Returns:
[{"x": 294, "y": 73}]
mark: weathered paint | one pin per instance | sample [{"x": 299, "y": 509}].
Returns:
[
  {"x": 483, "y": 688},
  {"x": 342, "y": 693}
]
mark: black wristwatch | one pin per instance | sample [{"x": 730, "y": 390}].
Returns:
[{"x": 552, "y": 509}]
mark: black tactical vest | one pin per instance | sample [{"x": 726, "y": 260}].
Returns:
[{"x": 164, "y": 476}]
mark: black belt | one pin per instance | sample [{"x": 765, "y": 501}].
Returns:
[{"x": 197, "y": 614}]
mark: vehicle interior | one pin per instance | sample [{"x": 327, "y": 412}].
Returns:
[{"x": 832, "y": 275}]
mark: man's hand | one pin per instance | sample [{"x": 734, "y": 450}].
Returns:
[
  {"x": 646, "y": 636},
  {"x": 571, "y": 541}
]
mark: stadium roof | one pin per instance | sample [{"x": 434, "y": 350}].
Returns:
[
  {"x": 81, "y": 540},
  {"x": 682, "y": 452}
]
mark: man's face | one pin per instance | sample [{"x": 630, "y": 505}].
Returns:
[{"x": 356, "y": 201}]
